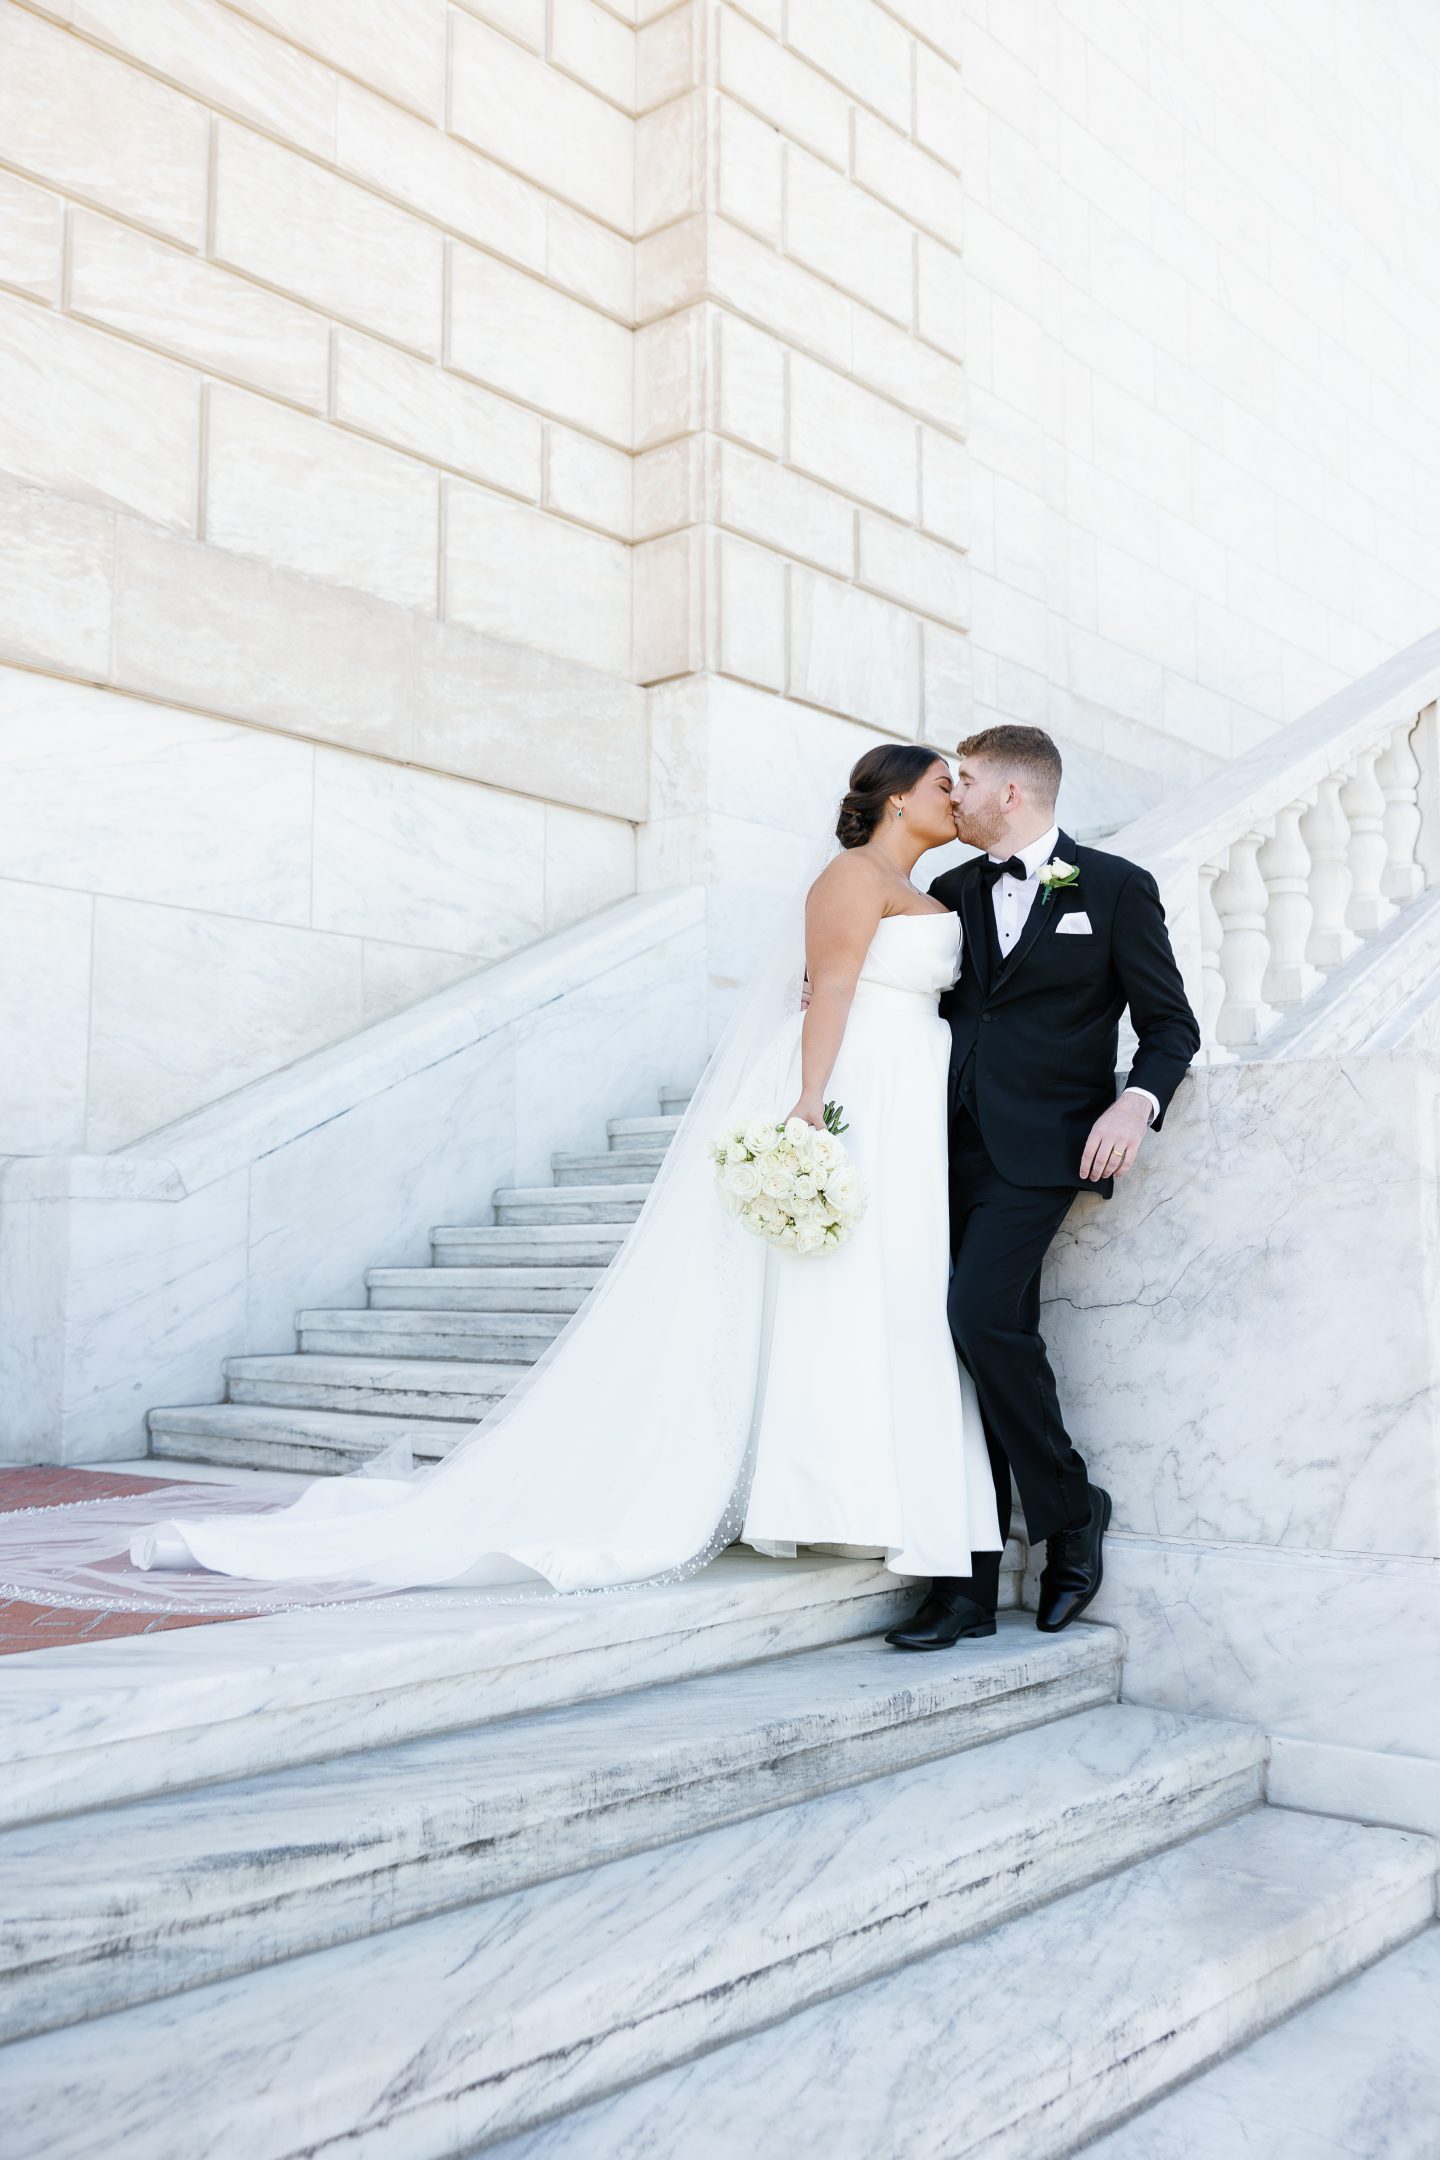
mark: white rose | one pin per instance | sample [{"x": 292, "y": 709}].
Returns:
[
  {"x": 761, "y": 1135},
  {"x": 742, "y": 1179},
  {"x": 826, "y": 1153},
  {"x": 797, "y": 1132},
  {"x": 737, "y": 1152},
  {"x": 778, "y": 1184},
  {"x": 844, "y": 1192},
  {"x": 805, "y": 1187},
  {"x": 809, "y": 1238}
]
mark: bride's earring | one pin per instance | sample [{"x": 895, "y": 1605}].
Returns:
[{"x": 901, "y": 811}]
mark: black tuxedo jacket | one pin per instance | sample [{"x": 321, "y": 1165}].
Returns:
[{"x": 1042, "y": 1026}]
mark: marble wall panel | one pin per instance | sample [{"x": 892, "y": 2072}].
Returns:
[
  {"x": 229, "y": 62},
  {"x": 45, "y": 1002},
  {"x": 519, "y": 336},
  {"x": 420, "y": 858},
  {"x": 398, "y": 49},
  {"x": 97, "y": 418},
  {"x": 589, "y": 864},
  {"x": 196, "y": 311},
  {"x": 1324, "y": 1646},
  {"x": 519, "y": 573},
  {"x": 304, "y": 230},
  {"x": 154, "y": 1299},
  {"x": 423, "y": 408},
  {"x": 188, "y": 1007},
  {"x": 1245, "y": 1336},
  {"x": 606, "y": 1051},
  {"x": 853, "y": 654},
  {"x": 307, "y": 496},
  {"x": 318, "y": 1218},
  {"x": 101, "y": 130},
  {"x": 57, "y": 564},
  {"x": 395, "y": 976},
  {"x": 444, "y": 179},
  {"x": 105, "y": 794},
  {"x": 223, "y": 633},
  {"x": 538, "y": 122},
  {"x": 31, "y": 238}
]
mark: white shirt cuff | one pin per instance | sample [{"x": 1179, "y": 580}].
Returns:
[{"x": 1153, "y": 1100}]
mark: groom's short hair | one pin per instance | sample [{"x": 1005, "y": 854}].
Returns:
[{"x": 1027, "y": 752}]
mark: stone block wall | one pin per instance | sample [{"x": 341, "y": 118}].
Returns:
[
  {"x": 1203, "y": 344},
  {"x": 640, "y": 406}
]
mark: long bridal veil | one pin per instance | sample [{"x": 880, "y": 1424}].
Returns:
[{"x": 621, "y": 1456}]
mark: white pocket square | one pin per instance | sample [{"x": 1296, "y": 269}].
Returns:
[{"x": 1077, "y": 925}]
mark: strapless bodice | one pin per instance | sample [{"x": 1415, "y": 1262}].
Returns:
[{"x": 915, "y": 953}]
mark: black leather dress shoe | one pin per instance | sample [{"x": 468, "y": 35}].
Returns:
[
  {"x": 1074, "y": 1567},
  {"x": 940, "y": 1623}
]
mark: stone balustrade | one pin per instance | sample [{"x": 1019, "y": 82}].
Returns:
[{"x": 1283, "y": 867}]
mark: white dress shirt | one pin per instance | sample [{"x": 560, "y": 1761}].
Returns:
[{"x": 1013, "y": 899}]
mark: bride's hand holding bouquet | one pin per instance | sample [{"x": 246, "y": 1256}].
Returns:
[{"x": 789, "y": 1180}]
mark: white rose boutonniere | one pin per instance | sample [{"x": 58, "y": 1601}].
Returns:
[{"x": 1056, "y": 876}]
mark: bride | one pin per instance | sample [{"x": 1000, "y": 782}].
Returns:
[{"x": 713, "y": 1387}]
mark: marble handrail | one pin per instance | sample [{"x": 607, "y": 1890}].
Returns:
[{"x": 1279, "y": 868}]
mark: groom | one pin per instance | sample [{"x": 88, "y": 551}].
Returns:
[{"x": 1058, "y": 941}]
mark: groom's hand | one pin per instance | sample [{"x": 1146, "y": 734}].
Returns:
[{"x": 1115, "y": 1138}]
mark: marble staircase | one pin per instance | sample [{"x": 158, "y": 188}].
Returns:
[
  {"x": 641, "y": 1874},
  {"x": 434, "y": 1347}
]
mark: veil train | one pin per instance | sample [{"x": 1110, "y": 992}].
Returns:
[{"x": 621, "y": 1457}]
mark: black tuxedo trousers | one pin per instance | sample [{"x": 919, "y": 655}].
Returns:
[{"x": 1000, "y": 1234}]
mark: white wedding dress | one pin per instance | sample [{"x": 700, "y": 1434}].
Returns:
[
  {"x": 868, "y": 1429},
  {"x": 712, "y": 1388}
]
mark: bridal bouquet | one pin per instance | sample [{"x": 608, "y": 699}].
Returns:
[{"x": 789, "y": 1183}]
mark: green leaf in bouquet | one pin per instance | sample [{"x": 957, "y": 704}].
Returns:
[{"x": 834, "y": 1112}]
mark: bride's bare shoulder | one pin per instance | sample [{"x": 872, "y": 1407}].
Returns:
[{"x": 850, "y": 881}]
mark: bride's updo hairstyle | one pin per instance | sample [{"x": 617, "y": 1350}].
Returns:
[{"x": 891, "y": 768}]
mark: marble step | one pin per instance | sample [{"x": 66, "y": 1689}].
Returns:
[
  {"x": 625, "y": 1133},
  {"x": 107, "y": 1721},
  {"x": 481, "y": 1289},
  {"x": 391, "y": 1386},
  {"x": 540, "y": 1245},
  {"x": 440, "y": 2036},
  {"x": 164, "y": 1895},
  {"x": 675, "y": 1099},
  {"x": 564, "y": 1205},
  {"x": 1020, "y": 2043},
  {"x": 252, "y": 1436},
  {"x": 633, "y": 1166},
  {"x": 507, "y": 1338},
  {"x": 1355, "y": 2076}
]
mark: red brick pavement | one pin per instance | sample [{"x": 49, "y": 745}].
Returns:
[{"x": 49, "y": 1627}]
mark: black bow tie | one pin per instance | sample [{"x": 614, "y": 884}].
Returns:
[{"x": 990, "y": 869}]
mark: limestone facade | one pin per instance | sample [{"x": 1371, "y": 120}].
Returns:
[{"x": 522, "y": 446}]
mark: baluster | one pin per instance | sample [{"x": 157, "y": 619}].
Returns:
[
  {"x": 1212, "y": 982},
  {"x": 1398, "y": 773},
  {"x": 1240, "y": 899},
  {"x": 1326, "y": 832},
  {"x": 1363, "y": 801},
  {"x": 1284, "y": 863}
]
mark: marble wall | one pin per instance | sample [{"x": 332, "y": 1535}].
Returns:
[
  {"x": 1203, "y": 348},
  {"x": 187, "y": 904},
  {"x": 126, "y": 1278},
  {"x": 1246, "y": 1343}
]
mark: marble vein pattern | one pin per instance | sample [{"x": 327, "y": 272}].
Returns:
[
  {"x": 1323, "y": 1646},
  {"x": 1273, "y": 1909},
  {"x": 501, "y": 2013},
  {"x": 92, "y": 1724},
  {"x": 1356, "y": 2076},
  {"x": 1245, "y": 1337},
  {"x": 178, "y": 1890}
]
